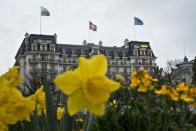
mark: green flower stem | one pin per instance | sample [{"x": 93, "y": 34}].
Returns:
[
  {"x": 50, "y": 112},
  {"x": 67, "y": 118},
  {"x": 89, "y": 123}
]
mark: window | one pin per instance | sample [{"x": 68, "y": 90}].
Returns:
[
  {"x": 43, "y": 48},
  {"x": 44, "y": 67},
  {"x": 149, "y": 53},
  {"x": 34, "y": 57},
  {"x": 34, "y": 66},
  {"x": 43, "y": 57},
  {"x": 135, "y": 53},
  {"x": 73, "y": 52},
  {"x": 52, "y": 48},
  {"x": 115, "y": 53},
  {"x": 150, "y": 62},
  {"x": 124, "y": 53},
  {"x": 34, "y": 48},
  {"x": 52, "y": 66},
  {"x": 142, "y": 53},
  {"x": 121, "y": 70}
]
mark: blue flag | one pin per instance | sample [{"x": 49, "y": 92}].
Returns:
[
  {"x": 44, "y": 12},
  {"x": 138, "y": 21}
]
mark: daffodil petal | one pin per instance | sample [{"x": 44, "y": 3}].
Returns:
[
  {"x": 83, "y": 70},
  {"x": 76, "y": 101},
  {"x": 112, "y": 85},
  {"x": 142, "y": 89},
  {"x": 98, "y": 65},
  {"x": 68, "y": 82},
  {"x": 98, "y": 110},
  {"x": 97, "y": 92}
]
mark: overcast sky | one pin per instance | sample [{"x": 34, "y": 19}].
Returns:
[{"x": 169, "y": 25}]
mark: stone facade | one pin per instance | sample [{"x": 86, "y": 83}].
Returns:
[
  {"x": 42, "y": 53},
  {"x": 183, "y": 72}
]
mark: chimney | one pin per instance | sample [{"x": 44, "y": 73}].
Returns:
[
  {"x": 26, "y": 41},
  {"x": 84, "y": 42},
  {"x": 100, "y": 43},
  {"x": 55, "y": 38},
  {"x": 126, "y": 43}
]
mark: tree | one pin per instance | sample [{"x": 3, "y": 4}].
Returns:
[
  {"x": 194, "y": 72},
  {"x": 169, "y": 74},
  {"x": 31, "y": 82}
]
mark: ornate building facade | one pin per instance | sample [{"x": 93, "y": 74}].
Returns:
[
  {"x": 42, "y": 53},
  {"x": 183, "y": 72}
]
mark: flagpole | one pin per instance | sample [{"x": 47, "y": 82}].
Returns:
[
  {"x": 133, "y": 31},
  {"x": 40, "y": 24},
  {"x": 89, "y": 36},
  {"x": 89, "y": 31}
]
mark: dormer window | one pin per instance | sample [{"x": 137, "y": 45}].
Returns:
[
  {"x": 149, "y": 53},
  {"x": 82, "y": 52},
  {"x": 115, "y": 53},
  {"x": 43, "y": 47},
  {"x": 34, "y": 47},
  {"x": 107, "y": 53},
  {"x": 52, "y": 48},
  {"x": 135, "y": 53}
]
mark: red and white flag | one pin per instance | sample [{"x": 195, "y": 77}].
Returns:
[{"x": 92, "y": 26}]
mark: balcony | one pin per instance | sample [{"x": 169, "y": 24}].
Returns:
[
  {"x": 45, "y": 60},
  {"x": 143, "y": 64},
  {"x": 53, "y": 71},
  {"x": 38, "y": 70},
  {"x": 43, "y": 70}
]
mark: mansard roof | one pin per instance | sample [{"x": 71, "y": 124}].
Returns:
[
  {"x": 34, "y": 37},
  {"x": 185, "y": 63},
  {"x": 123, "y": 51}
]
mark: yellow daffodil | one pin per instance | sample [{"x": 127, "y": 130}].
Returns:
[
  {"x": 60, "y": 112},
  {"x": 142, "y": 88},
  {"x": 14, "y": 106},
  {"x": 163, "y": 91},
  {"x": 40, "y": 94},
  {"x": 39, "y": 97},
  {"x": 134, "y": 82},
  {"x": 142, "y": 81},
  {"x": 192, "y": 92},
  {"x": 187, "y": 98},
  {"x": 174, "y": 95},
  {"x": 79, "y": 120},
  {"x": 6, "y": 117},
  {"x": 182, "y": 87},
  {"x": 12, "y": 76},
  {"x": 22, "y": 109},
  {"x": 87, "y": 86}
]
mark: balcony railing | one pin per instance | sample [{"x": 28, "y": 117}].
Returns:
[
  {"x": 53, "y": 71},
  {"x": 45, "y": 60},
  {"x": 43, "y": 70},
  {"x": 143, "y": 64}
]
